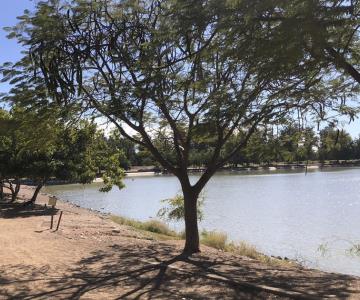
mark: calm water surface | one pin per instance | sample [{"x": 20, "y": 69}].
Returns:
[{"x": 281, "y": 213}]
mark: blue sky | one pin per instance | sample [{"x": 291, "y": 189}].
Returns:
[{"x": 11, "y": 51}]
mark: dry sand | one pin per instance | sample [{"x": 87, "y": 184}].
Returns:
[{"x": 90, "y": 257}]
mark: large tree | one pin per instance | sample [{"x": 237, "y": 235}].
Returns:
[{"x": 177, "y": 73}]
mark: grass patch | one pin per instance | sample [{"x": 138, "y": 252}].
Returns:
[
  {"x": 214, "y": 239},
  {"x": 219, "y": 240},
  {"x": 244, "y": 249},
  {"x": 157, "y": 228}
]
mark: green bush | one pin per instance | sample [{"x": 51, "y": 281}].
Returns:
[{"x": 174, "y": 208}]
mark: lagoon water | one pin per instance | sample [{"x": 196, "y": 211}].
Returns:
[{"x": 281, "y": 213}]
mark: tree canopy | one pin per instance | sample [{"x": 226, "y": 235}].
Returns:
[{"x": 41, "y": 146}]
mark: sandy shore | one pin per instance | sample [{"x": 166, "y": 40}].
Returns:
[{"x": 90, "y": 257}]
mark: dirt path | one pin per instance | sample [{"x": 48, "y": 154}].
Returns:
[{"x": 90, "y": 257}]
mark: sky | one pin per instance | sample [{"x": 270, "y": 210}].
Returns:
[{"x": 11, "y": 51}]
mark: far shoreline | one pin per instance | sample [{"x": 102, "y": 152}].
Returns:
[
  {"x": 249, "y": 170},
  {"x": 152, "y": 170},
  {"x": 253, "y": 170}
]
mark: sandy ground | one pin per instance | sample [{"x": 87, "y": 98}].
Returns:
[{"x": 90, "y": 257}]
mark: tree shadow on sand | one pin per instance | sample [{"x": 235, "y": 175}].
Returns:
[
  {"x": 152, "y": 272},
  {"x": 19, "y": 210}
]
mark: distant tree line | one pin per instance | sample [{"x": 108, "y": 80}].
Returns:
[
  {"x": 291, "y": 144},
  {"x": 286, "y": 143}
]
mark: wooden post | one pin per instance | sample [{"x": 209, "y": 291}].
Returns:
[
  {"x": 52, "y": 221},
  {"x": 58, "y": 224},
  {"x": 52, "y": 216}
]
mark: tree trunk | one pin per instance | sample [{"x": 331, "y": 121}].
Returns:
[
  {"x": 14, "y": 191},
  {"x": 1, "y": 190},
  {"x": 192, "y": 244},
  {"x": 36, "y": 193},
  {"x": 17, "y": 187},
  {"x": 13, "y": 197}
]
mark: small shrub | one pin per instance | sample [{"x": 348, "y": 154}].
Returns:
[
  {"x": 174, "y": 208},
  {"x": 355, "y": 250},
  {"x": 214, "y": 239}
]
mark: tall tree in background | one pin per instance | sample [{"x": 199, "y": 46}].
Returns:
[
  {"x": 184, "y": 75},
  {"x": 334, "y": 144}
]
